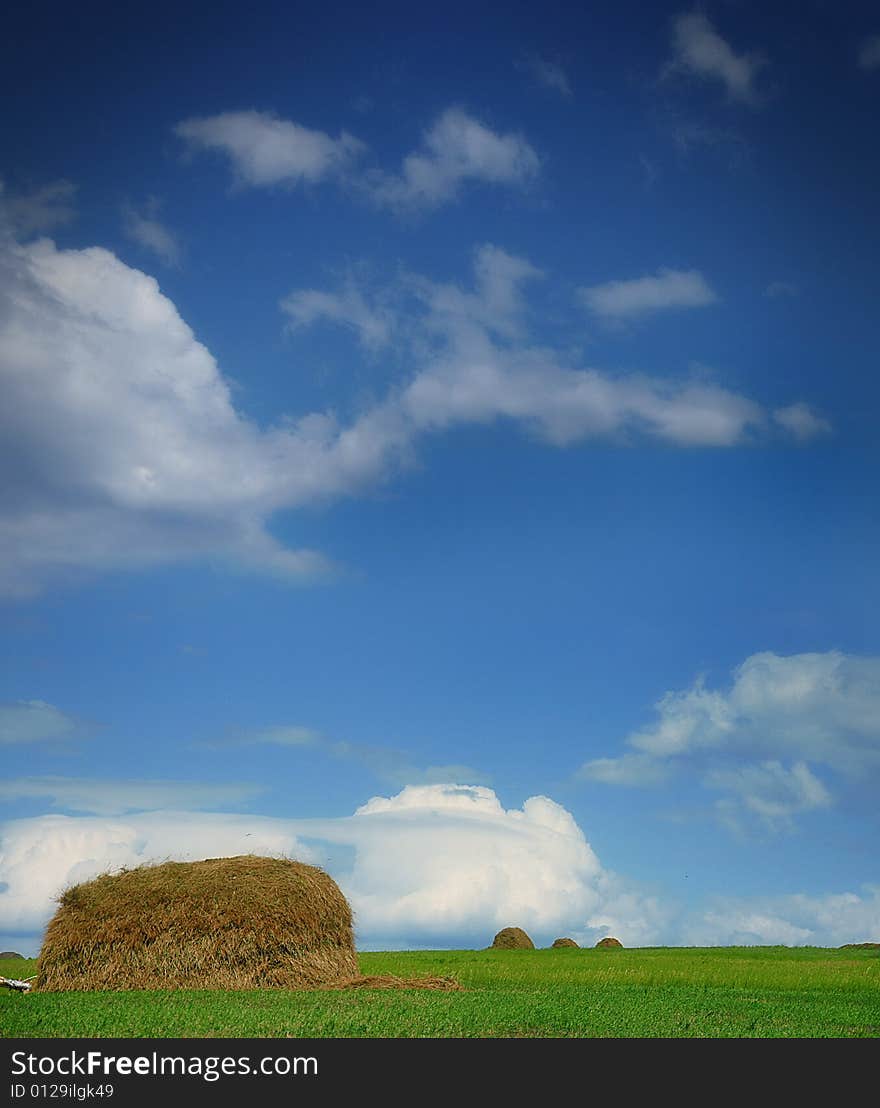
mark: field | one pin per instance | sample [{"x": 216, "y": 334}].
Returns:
[{"x": 721, "y": 992}]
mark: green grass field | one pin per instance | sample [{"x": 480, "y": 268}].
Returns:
[{"x": 752, "y": 992}]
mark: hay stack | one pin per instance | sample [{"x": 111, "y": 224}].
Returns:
[
  {"x": 512, "y": 938},
  {"x": 609, "y": 944},
  {"x": 563, "y": 942},
  {"x": 223, "y": 923},
  {"x": 860, "y": 946}
]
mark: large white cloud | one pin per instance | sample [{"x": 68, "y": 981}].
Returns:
[
  {"x": 121, "y": 447},
  {"x": 807, "y": 710},
  {"x": 436, "y": 865}
]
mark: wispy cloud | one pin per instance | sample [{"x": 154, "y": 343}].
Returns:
[
  {"x": 116, "y": 797},
  {"x": 801, "y": 422},
  {"x": 639, "y": 296},
  {"x": 149, "y": 232},
  {"x": 37, "y": 211},
  {"x": 371, "y": 323},
  {"x": 32, "y": 721},
  {"x": 869, "y": 53},
  {"x": 548, "y": 73},
  {"x": 455, "y": 150},
  {"x": 265, "y": 150},
  {"x": 767, "y": 791},
  {"x": 700, "y": 51},
  {"x": 780, "y": 288},
  {"x": 385, "y": 763}
]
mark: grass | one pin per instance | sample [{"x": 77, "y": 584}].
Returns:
[{"x": 722, "y": 992}]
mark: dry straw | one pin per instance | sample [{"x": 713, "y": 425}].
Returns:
[
  {"x": 512, "y": 938},
  {"x": 609, "y": 944},
  {"x": 223, "y": 923},
  {"x": 563, "y": 942}
]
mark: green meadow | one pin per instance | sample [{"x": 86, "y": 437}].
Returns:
[{"x": 665, "y": 992}]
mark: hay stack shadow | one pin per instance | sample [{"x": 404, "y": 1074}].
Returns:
[{"x": 223, "y": 923}]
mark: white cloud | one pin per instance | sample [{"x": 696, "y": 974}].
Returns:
[
  {"x": 41, "y": 857},
  {"x": 28, "y": 213},
  {"x": 793, "y": 920},
  {"x": 670, "y": 288},
  {"x": 629, "y": 769},
  {"x": 455, "y": 150},
  {"x": 279, "y": 735},
  {"x": 386, "y": 763},
  {"x": 349, "y": 307},
  {"x": 800, "y": 421},
  {"x": 265, "y": 150},
  {"x": 122, "y": 449},
  {"x": 698, "y": 49},
  {"x": 152, "y": 234},
  {"x": 807, "y": 709},
  {"x": 869, "y": 52},
  {"x": 110, "y": 798},
  {"x": 439, "y": 865},
  {"x": 29, "y": 721},
  {"x": 549, "y": 74},
  {"x": 769, "y": 792}
]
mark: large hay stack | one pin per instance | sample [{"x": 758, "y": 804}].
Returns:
[
  {"x": 609, "y": 944},
  {"x": 223, "y": 923},
  {"x": 512, "y": 938}
]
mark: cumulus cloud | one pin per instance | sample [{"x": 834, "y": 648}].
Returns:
[
  {"x": 41, "y": 857},
  {"x": 669, "y": 288},
  {"x": 800, "y": 421},
  {"x": 810, "y": 710},
  {"x": 869, "y": 52},
  {"x": 121, "y": 447},
  {"x": 37, "y": 211},
  {"x": 30, "y": 721},
  {"x": 110, "y": 798},
  {"x": 700, "y": 51},
  {"x": 120, "y": 444},
  {"x": 547, "y": 73},
  {"x": 456, "y": 149},
  {"x": 148, "y": 231},
  {"x": 265, "y": 150},
  {"x": 441, "y": 865}
]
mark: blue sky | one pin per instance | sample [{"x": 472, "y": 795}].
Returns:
[{"x": 441, "y": 446}]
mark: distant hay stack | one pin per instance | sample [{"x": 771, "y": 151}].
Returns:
[
  {"x": 609, "y": 944},
  {"x": 512, "y": 938},
  {"x": 223, "y": 923},
  {"x": 563, "y": 942}
]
